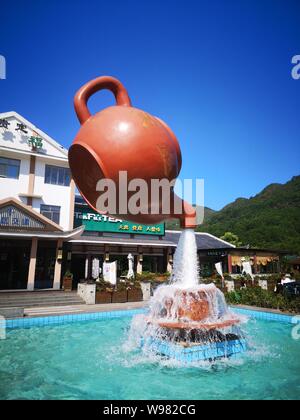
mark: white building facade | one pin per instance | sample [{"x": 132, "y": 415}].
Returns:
[{"x": 36, "y": 205}]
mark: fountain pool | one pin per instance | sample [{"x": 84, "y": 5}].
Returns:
[{"x": 75, "y": 358}]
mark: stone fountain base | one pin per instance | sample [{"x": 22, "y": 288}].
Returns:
[
  {"x": 193, "y": 352},
  {"x": 192, "y": 324}
]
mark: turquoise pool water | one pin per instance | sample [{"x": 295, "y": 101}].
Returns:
[{"x": 94, "y": 360}]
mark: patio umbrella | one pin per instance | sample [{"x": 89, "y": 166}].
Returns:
[
  {"x": 130, "y": 273},
  {"x": 220, "y": 271}
]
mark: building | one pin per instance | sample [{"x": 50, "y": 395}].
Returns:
[
  {"x": 153, "y": 247},
  {"x": 294, "y": 265},
  {"x": 36, "y": 206}
]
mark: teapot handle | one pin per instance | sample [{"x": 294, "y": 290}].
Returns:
[{"x": 105, "y": 82}]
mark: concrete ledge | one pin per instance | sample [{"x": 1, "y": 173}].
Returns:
[
  {"x": 11, "y": 313},
  {"x": 268, "y": 310},
  {"x": 81, "y": 309}
]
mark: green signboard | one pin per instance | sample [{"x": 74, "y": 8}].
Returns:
[{"x": 99, "y": 223}]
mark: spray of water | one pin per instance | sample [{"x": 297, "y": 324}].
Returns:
[
  {"x": 186, "y": 268},
  {"x": 185, "y": 311}
]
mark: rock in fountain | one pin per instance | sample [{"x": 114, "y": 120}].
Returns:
[{"x": 189, "y": 321}]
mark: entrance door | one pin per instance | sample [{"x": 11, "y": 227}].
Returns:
[
  {"x": 45, "y": 264},
  {"x": 154, "y": 264},
  {"x": 14, "y": 264},
  {"x": 78, "y": 269}
]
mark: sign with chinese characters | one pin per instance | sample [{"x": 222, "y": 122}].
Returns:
[
  {"x": 35, "y": 142},
  {"x": 4, "y": 123},
  {"x": 99, "y": 223},
  {"x": 12, "y": 217}
]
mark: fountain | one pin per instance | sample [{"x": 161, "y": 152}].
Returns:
[{"x": 187, "y": 321}]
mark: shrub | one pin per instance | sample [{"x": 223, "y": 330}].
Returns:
[
  {"x": 146, "y": 276},
  {"x": 255, "y": 296}
]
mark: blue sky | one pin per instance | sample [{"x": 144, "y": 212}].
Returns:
[{"x": 217, "y": 71}]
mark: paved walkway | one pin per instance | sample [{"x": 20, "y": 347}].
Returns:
[{"x": 63, "y": 310}]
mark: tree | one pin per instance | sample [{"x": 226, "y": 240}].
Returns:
[{"x": 231, "y": 238}]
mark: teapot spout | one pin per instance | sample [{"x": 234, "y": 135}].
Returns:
[{"x": 185, "y": 212}]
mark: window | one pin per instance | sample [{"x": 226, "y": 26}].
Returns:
[
  {"x": 52, "y": 212},
  {"x": 9, "y": 168},
  {"x": 57, "y": 176}
]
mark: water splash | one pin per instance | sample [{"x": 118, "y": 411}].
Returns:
[{"x": 185, "y": 312}]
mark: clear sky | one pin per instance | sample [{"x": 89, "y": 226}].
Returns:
[{"x": 217, "y": 71}]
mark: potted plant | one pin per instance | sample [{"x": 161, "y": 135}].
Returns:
[
  {"x": 104, "y": 292},
  {"x": 68, "y": 281},
  {"x": 161, "y": 278}
]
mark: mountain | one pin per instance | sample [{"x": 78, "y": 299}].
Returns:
[
  {"x": 174, "y": 224},
  {"x": 271, "y": 219}
]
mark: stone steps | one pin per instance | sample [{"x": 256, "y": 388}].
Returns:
[{"x": 39, "y": 299}]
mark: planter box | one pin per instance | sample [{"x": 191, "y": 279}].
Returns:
[
  {"x": 146, "y": 290},
  {"x": 67, "y": 284},
  {"x": 87, "y": 292},
  {"x": 134, "y": 295},
  {"x": 161, "y": 279},
  {"x": 103, "y": 297},
  {"x": 119, "y": 297}
]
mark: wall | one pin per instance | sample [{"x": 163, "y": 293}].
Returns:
[
  {"x": 56, "y": 195},
  {"x": 12, "y": 187}
]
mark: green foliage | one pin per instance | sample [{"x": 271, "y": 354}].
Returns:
[
  {"x": 103, "y": 286},
  {"x": 231, "y": 238},
  {"x": 271, "y": 219},
  {"x": 152, "y": 277},
  {"x": 255, "y": 296},
  {"x": 146, "y": 276},
  {"x": 68, "y": 274}
]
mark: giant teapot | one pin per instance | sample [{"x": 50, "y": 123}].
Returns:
[{"x": 124, "y": 138}]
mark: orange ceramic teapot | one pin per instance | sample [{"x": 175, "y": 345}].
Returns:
[{"x": 124, "y": 138}]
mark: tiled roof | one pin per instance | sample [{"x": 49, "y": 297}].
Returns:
[
  {"x": 204, "y": 240},
  {"x": 171, "y": 238}
]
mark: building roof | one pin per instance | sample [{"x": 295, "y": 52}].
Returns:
[
  {"x": 38, "y": 225},
  {"x": 45, "y": 223},
  {"x": 205, "y": 241},
  {"x": 65, "y": 236},
  {"x": 57, "y": 150}
]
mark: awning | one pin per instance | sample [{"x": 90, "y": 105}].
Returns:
[{"x": 65, "y": 236}]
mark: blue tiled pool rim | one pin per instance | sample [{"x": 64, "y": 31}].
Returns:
[
  {"x": 93, "y": 316},
  {"x": 211, "y": 351}
]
